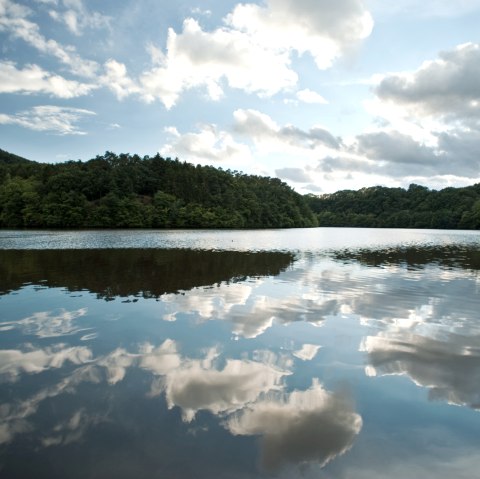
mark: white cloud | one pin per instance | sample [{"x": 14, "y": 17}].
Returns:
[
  {"x": 448, "y": 87},
  {"x": 253, "y": 51},
  {"x": 196, "y": 58},
  {"x": 430, "y": 124},
  {"x": 59, "y": 120},
  {"x": 32, "y": 79},
  {"x": 77, "y": 17},
  {"x": 14, "y": 20},
  {"x": 269, "y": 136},
  {"x": 322, "y": 28},
  {"x": 306, "y": 426},
  {"x": 309, "y": 96},
  {"x": 117, "y": 79},
  {"x": 208, "y": 144}
]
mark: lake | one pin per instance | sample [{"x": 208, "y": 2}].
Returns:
[{"x": 304, "y": 353}]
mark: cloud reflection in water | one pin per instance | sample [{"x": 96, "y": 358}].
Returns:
[
  {"x": 449, "y": 366},
  {"x": 303, "y": 426}
]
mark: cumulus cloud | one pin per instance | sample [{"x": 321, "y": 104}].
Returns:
[
  {"x": 389, "y": 153},
  {"x": 33, "y": 79},
  {"x": 253, "y": 50},
  {"x": 394, "y": 147},
  {"x": 196, "y": 58},
  {"x": 323, "y": 28},
  {"x": 304, "y": 426},
  {"x": 117, "y": 79},
  {"x": 392, "y": 153},
  {"x": 55, "y": 119},
  {"x": 448, "y": 86},
  {"x": 208, "y": 144},
  {"x": 264, "y": 131},
  {"x": 431, "y": 123}
]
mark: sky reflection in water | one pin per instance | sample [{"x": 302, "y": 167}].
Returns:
[{"x": 340, "y": 363}]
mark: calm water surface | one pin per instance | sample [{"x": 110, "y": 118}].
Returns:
[{"x": 320, "y": 353}]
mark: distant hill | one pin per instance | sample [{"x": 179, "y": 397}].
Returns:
[
  {"x": 415, "y": 207},
  {"x": 126, "y": 191}
]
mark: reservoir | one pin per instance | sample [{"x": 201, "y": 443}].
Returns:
[{"x": 302, "y": 353}]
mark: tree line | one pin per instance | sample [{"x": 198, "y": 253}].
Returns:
[
  {"x": 415, "y": 207},
  {"x": 127, "y": 191}
]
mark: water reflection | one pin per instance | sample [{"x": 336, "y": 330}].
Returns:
[
  {"x": 449, "y": 366},
  {"x": 462, "y": 256},
  {"x": 303, "y": 426},
  {"x": 125, "y": 272},
  {"x": 48, "y": 324},
  {"x": 248, "y": 395},
  {"x": 14, "y": 362},
  {"x": 253, "y": 308},
  {"x": 195, "y": 386},
  {"x": 307, "y": 352},
  {"x": 233, "y": 360}
]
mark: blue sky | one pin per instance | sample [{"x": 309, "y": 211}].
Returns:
[{"x": 324, "y": 94}]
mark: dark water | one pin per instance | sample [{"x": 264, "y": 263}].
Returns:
[{"x": 325, "y": 353}]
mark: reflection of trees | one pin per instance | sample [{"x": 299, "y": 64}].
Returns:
[
  {"x": 125, "y": 272},
  {"x": 450, "y": 256}
]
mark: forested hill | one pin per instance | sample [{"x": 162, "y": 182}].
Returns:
[
  {"x": 416, "y": 207},
  {"x": 126, "y": 191}
]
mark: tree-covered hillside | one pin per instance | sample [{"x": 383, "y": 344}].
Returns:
[
  {"x": 126, "y": 191},
  {"x": 416, "y": 207}
]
